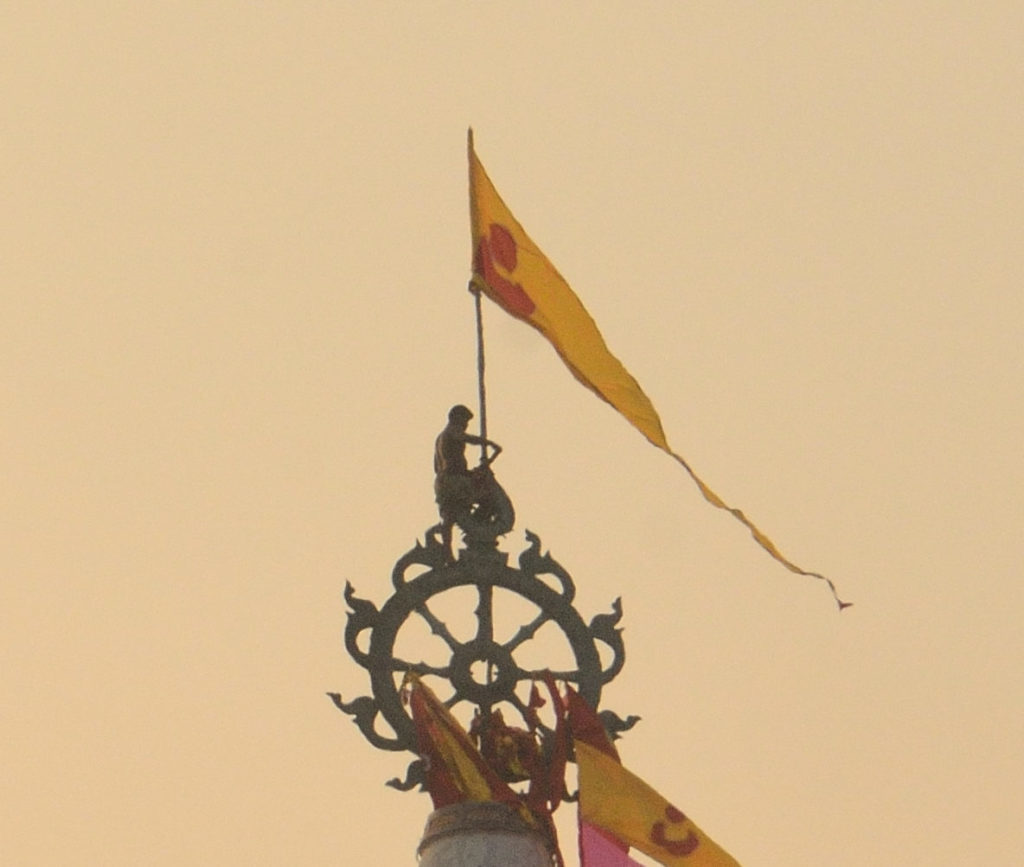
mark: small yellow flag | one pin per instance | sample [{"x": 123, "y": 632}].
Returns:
[
  {"x": 613, "y": 799},
  {"x": 455, "y": 769}
]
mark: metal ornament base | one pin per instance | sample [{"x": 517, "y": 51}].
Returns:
[
  {"x": 427, "y": 572},
  {"x": 481, "y": 834}
]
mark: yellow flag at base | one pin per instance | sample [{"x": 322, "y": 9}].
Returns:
[
  {"x": 622, "y": 804},
  {"x": 512, "y": 271},
  {"x": 455, "y": 769}
]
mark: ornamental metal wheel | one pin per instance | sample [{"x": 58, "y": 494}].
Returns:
[{"x": 485, "y": 668}]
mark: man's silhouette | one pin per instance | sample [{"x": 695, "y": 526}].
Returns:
[{"x": 455, "y": 486}]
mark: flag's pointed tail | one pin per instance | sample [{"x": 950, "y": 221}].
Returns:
[{"x": 758, "y": 535}]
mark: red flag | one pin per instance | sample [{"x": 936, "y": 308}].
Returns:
[
  {"x": 585, "y": 725},
  {"x": 547, "y": 786}
]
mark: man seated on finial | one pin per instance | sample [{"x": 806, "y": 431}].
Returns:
[{"x": 455, "y": 487}]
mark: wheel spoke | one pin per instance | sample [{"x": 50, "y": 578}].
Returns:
[
  {"x": 420, "y": 668},
  {"x": 521, "y": 706},
  {"x": 437, "y": 626},
  {"x": 541, "y": 673},
  {"x": 526, "y": 712},
  {"x": 485, "y": 613},
  {"x": 526, "y": 632}
]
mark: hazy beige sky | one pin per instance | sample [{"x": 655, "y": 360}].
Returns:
[{"x": 233, "y": 257}]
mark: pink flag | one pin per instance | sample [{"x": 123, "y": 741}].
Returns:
[{"x": 597, "y": 850}]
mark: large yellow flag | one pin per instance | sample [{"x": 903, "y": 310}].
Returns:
[
  {"x": 613, "y": 799},
  {"x": 512, "y": 271}
]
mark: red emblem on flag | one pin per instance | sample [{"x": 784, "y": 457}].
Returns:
[
  {"x": 499, "y": 248},
  {"x": 676, "y": 847}
]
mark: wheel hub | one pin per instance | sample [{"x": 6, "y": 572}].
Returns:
[{"x": 484, "y": 672}]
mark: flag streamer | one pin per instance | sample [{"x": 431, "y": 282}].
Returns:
[
  {"x": 513, "y": 272},
  {"x": 759, "y": 537}
]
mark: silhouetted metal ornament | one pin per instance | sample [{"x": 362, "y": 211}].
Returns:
[{"x": 425, "y": 573}]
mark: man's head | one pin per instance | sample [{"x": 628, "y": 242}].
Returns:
[{"x": 460, "y": 415}]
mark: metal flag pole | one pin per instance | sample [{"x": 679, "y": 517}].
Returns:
[{"x": 474, "y": 289}]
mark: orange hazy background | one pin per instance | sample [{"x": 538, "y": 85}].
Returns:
[{"x": 233, "y": 258}]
